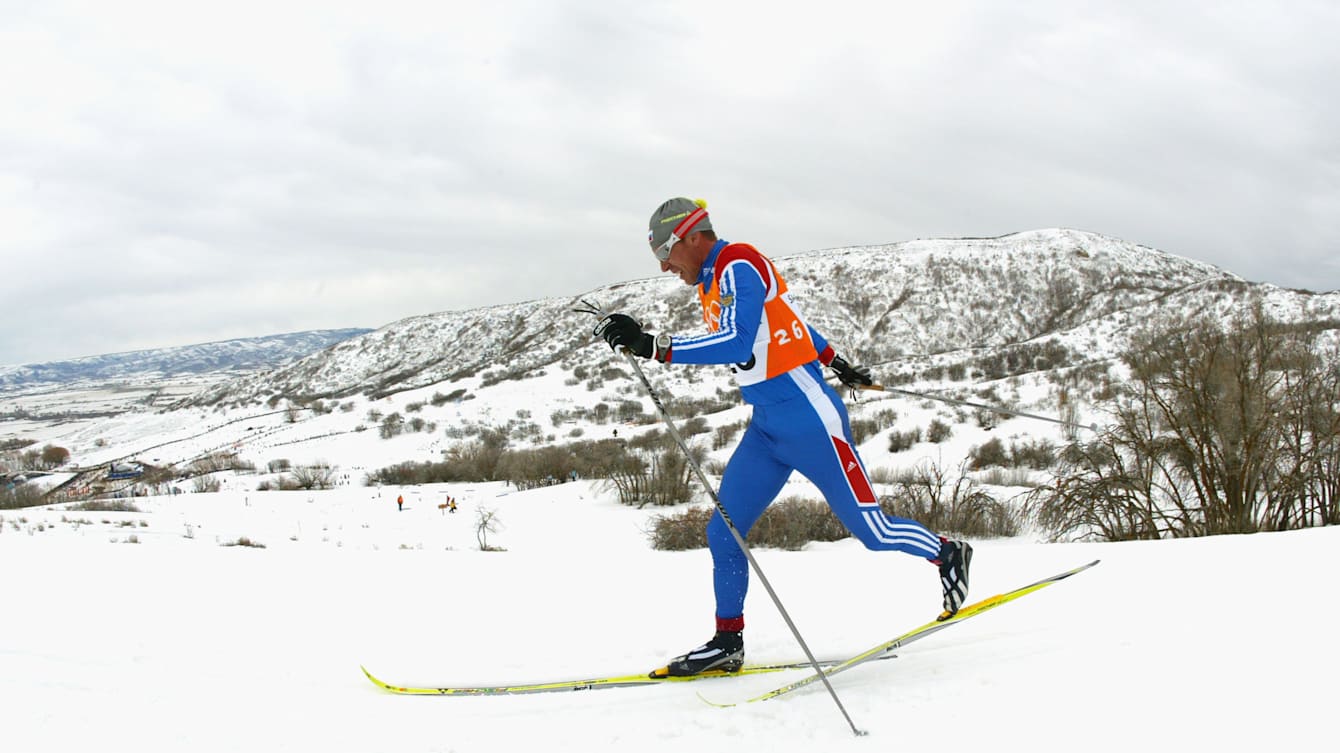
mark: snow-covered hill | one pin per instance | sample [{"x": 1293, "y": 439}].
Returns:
[
  {"x": 1064, "y": 301},
  {"x": 896, "y": 305},
  {"x": 226, "y": 356}
]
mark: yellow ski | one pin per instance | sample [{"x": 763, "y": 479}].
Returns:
[
  {"x": 619, "y": 681},
  {"x": 884, "y": 649}
]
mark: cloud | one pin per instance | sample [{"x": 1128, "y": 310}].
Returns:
[{"x": 336, "y": 166}]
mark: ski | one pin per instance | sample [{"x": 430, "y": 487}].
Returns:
[
  {"x": 882, "y": 650},
  {"x": 618, "y": 681}
]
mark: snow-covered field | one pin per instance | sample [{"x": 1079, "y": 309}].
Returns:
[
  {"x": 178, "y": 643},
  {"x": 146, "y": 631}
]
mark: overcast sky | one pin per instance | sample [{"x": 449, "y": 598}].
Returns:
[{"x": 182, "y": 172}]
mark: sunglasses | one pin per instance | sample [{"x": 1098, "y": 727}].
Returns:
[{"x": 662, "y": 252}]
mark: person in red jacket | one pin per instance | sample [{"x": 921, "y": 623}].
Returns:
[{"x": 799, "y": 422}]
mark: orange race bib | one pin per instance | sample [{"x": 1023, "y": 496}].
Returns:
[{"x": 783, "y": 339}]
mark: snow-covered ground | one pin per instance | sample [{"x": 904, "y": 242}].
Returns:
[
  {"x": 140, "y": 631},
  {"x": 146, "y": 631}
]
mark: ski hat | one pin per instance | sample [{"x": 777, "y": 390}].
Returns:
[{"x": 680, "y": 216}]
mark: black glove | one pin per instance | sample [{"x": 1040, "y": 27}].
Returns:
[
  {"x": 852, "y": 376},
  {"x": 622, "y": 330}
]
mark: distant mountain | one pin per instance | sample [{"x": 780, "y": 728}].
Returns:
[
  {"x": 1030, "y": 301},
  {"x": 233, "y": 356}
]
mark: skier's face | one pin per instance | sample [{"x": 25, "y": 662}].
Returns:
[{"x": 686, "y": 258}]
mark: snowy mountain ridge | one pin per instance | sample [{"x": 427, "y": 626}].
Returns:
[
  {"x": 238, "y": 355},
  {"x": 904, "y": 305}
]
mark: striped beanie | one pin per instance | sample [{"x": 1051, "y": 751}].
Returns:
[{"x": 679, "y": 216}]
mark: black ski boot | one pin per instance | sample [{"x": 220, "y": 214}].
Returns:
[
  {"x": 954, "y": 559},
  {"x": 723, "y": 654}
]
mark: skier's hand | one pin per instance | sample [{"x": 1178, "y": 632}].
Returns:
[
  {"x": 622, "y": 330},
  {"x": 852, "y": 376}
]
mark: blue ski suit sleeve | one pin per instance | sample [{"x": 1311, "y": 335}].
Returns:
[{"x": 734, "y": 341}]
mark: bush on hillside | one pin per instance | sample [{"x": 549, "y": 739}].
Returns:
[
  {"x": 900, "y": 441},
  {"x": 951, "y": 505},
  {"x": 22, "y": 495},
  {"x": 725, "y": 434},
  {"x": 659, "y": 477},
  {"x": 865, "y": 428},
  {"x": 105, "y": 505},
  {"x": 488, "y": 459},
  {"x": 1038, "y": 454},
  {"x": 991, "y": 452},
  {"x": 788, "y": 524},
  {"x": 1223, "y": 427},
  {"x": 944, "y": 505},
  {"x": 938, "y": 431},
  {"x": 53, "y": 456}
]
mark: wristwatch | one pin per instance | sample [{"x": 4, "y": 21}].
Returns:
[{"x": 662, "y": 346}]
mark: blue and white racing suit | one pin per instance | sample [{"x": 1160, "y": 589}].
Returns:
[{"x": 799, "y": 423}]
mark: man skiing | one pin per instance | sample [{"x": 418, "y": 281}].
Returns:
[{"x": 799, "y": 422}]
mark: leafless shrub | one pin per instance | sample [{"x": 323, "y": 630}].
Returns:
[
  {"x": 794, "y": 522},
  {"x": 900, "y": 441},
  {"x": 392, "y": 426},
  {"x": 486, "y": 522},
  {"x": 316, "y": 476},
  {"x": 1007, "y": 477},
  {"x": 658, "y": 476},
  {"x": 206, "y": 484},
  {"x": 991, "y": 452},
  {"x": 951, "y": 504},
  {"x": 725, "y": 434},
  {"x": 1223, "y": 428},
  {"x": 105, "y": 505},
  {"x": 789, "y": 524},
  {"x": 22, "y": 495},
  {"x": 219, "y": 461},
  {"x": 680, "y": 531},
  {"x": 938, "y": 431},
  {"x": 1038, "y": 454},
  {"x": 244, "y": 541},
  {"x": 53, "y": 456},
  {"x": 864, "y": 428}
]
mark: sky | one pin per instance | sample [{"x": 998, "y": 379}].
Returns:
[{"x": 367, "y": 162}]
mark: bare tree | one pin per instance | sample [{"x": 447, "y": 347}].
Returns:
[
  {"x": 316, "y": 476},
  {"x": 956, "y": 504},
  {"x": 1223, "y": 428},
  {"x": 53, "y": 456},
  {"x": 486, "y": 522}
]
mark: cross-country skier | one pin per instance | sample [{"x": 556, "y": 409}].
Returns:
[{"x": 799, "y": 422}]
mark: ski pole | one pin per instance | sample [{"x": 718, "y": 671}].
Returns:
[
  {"x": 725, "y": 516},
  {"x": 983, "y": 406}
]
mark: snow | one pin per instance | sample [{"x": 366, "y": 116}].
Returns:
[{"x": 179, "y": 643}]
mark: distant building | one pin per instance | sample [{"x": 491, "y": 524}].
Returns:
[{"x": 124, "y": 470}]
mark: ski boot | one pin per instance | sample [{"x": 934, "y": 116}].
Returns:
[
  {"x": 954, "y": 559},
  {"x": 721, "y": 655}
]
